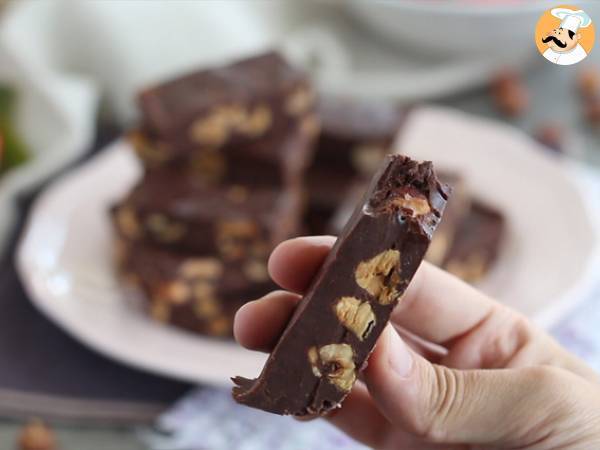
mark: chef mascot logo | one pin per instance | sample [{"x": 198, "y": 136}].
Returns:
[{"x": 565, "y": 35}]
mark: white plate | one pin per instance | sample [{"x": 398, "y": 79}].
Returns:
[
  {"x": 65, "y": 262},
  {"x": 65, "y": 258},
  {"x": 551, "y": 249}
]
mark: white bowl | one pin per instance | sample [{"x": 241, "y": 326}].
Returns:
[{"x": 500, "y": 30}]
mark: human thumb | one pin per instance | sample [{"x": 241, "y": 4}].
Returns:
[{"x": 442, "y": 405}]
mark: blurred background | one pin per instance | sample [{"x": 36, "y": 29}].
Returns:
[{"x": 126, "y": 245}]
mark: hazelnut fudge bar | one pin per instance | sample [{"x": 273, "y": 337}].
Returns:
[
  {"x": 327, "y": 191},
  {"x": 355, "y": 137},
  {"x": 181, "y": 213},
  {"x": 356, "y": 134},
  {"x": 477, "y": 243},
  {"x": 457, "y": 209},
  {"x": 277, "y": 159},
  {"x": 217, "y": 111},
  {"x": 334, "y": 328},
  {"x": 197, "y": 293}
]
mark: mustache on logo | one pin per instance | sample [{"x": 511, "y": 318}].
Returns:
[{"x": 555, "y": 40}]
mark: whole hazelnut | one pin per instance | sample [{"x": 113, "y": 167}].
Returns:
[
  {"x": 588, "y": 82},
  {"x": 551, "y": 135},
  {"x": 592, "y": 111},
  {"x": 509, "y": 93},
  {"x": 35, "y": 435}
]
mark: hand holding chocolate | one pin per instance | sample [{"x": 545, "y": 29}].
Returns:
[{"x": 334, "y": 329}]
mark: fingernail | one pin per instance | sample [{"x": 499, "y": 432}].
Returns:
[{"x": 400, "y": 358}]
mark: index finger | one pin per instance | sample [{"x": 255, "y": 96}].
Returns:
[{"x": 436, "y": 306}]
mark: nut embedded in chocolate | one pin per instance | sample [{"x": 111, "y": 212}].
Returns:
[
  {"x": 418, "y": 206},
  {"x": 300, "y": 101},
  {"x": 336, "y": 362},
  {"x": 366, "y": 158},
  {"x": 209, "y": 131},
  {"x": 127, "y": 222},
  {"x": 209, "y": 164},
  {"x": 356, "y": 316},
  {"x": 201, "y": 268},
  {"x": 379, "y": 276},
  {"x": 164, "y": 229},
  {"x": 151, "y": 153},
  {"x": 310, "y": 125},
  {"x": 257, "y": 122},
  {"x": 199, "y": 294},
  {"x": 176, "y": 292},
  {"x": 256, "y": 270}
]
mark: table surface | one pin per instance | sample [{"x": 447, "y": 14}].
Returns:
[{"x": 553, "y": 99}]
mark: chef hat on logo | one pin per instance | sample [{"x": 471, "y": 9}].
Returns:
[{"x": 572, "y": 20}]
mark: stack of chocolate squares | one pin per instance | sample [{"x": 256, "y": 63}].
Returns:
[
  {"x": 355, "y": 137},
  {"x": 469, "y": 237},
  {"x": 225, "y": 152}
]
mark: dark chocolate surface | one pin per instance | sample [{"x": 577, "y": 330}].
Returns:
[
  {"x": 196, "y": 293},
  {"x": 169, "y": 104},
  {"x": 477, "y": 243},
  {"x": 182, "y": 212},
  {"x": 318, "y": 356},
  {"x": 356, "y": 135},
  {"x": 233, "y": 104},
  {"x": 457, "y": 209},
  {"x": 276, "y": 159}
]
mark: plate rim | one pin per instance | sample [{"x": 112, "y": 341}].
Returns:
[{"x": 29, "y": 270}]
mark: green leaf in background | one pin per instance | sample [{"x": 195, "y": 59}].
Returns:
[
  {"x": 15, "y": 152},
  {"x": 7, "y": 101}
]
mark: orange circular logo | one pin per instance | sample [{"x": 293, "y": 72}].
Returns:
[{"x": 565, "y": 35}]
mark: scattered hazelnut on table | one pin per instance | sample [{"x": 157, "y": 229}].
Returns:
[
  {"x": 588, "y": 82},
  {"x": 551, "y": 135},
  {"x": 509, "y": 93},
  {"x": 592, "y": 111},
  {"x": 36, "y": 435}
]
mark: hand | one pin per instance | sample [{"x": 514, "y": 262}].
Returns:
[{"x": 499, "y": 382}]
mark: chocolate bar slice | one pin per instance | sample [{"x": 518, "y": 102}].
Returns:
[
  {"x": 334, "y": 328},
  {"x": 258, "y": 98},
  {"x": 276, "y": 159},
  {"x": 197, "y": 293},
  {"x": 457, "y": 209},
  {"x": 477, "y": 243},
  {"x": 355, "y": 137},
  {"x": 181, "y": 213},
  {"x": 327, "y": 190},
  {"x": 356, "y": 134}
]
